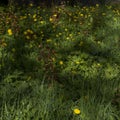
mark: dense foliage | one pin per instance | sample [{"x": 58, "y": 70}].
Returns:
[{"x": 60, "y": 63}]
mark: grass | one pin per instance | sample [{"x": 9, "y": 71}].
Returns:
[{"x": 55, "y": 60}]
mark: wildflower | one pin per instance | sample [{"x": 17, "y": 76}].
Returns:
[
  {"x": 98, "y": 64},
  {"x": 42, "y": 22},
  {"x": 30, "y": 4},
  {"x": 34, "y": 16},
  {"x": 67, "y": 38},
  {"x": 81, "y": 15},
  {"x": 97, "y": 5},
  {"x": 60, "y": 33},
  {"x": 25, "y": 33},
  {"x": 98, "y": 42},
  {"x": 103, "y": 14},
  {"x": 30, "y": 31},
  {"x": 77, "y": 62},
  {"x": 55, "y": 15},
  {"x": 35, "y": 20},
  {"x": 66, "y": 29},
  {"x": 51, "y": 20},
  {"x": 53, "y": 59},
  {"x": 77, "y": 111},
  {"x": 28, "y": 37},
  {"x": 9, "y": 32},
  {"x": 48, "y": 40},
  {"x": 61, "y": 62}
]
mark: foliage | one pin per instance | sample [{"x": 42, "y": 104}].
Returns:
[{"x": 56, "y": 60}]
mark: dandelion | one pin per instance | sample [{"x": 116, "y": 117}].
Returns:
[
  {"x": 66, "y": 29},
  {"x": 35, "y": 20},
  {"x": 55, "y": 15},
  {"x": 51, "y": 20},
  {"x": 98, "y": 64},
  {"x": 77, "y": 62},
  {"x": 49, "y": 40},
  {"x": 34, "y": 16},
  {"x": 76, "y": 111},
  {"x": 81, "y": 15},
  {"x": 53, "y": 59},
  {"x": 9, "y": 32},
  {"x": 97, "y": 5},
  {"x": 25, "y": 33},
  {"x": 30, "y": 4},
  {"x": 61, "y": 62},
  {"x": 103, "y": 14},
  {"x": 28, "y": 37}
]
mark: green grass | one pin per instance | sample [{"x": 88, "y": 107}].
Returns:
[{"x": 55, "y": 60}]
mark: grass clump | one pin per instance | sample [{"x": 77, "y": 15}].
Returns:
[{"x": 60, "y": 63}]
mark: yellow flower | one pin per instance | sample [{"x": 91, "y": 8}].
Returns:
[
  {"x": 103, "y": 14},
  {"x": 61, "y": 62},
  {"x": 50, "y": 19},
  {"x": 9, "y": 32},
  {"x": 49, "y": 40},
  {"x": 97, "y": 5},
  {"x": 55, "y": 15},
  {"x": 34, "y": 16},
  {"x": 25, "y": 32},
  {"x": 28, "y": 37},
  {"x": 66, "y": 29},
  {"x": 53, "y": 59},
  {"x": 77, "y": 111},
  {"x": 77, "y": 62},
  {"x": 81, "y": 15},
  {"x": 30, "y": 4},
  {"x": 35, "y": 20},
  {"x": 98, "y": 64}
]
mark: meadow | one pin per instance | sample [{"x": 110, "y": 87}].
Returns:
[{"x": 60, "y": 63}]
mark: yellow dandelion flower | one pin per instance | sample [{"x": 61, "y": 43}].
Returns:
[
  {"x": 9, "y": 32},
  {"x": 25, "y": 32},
  {"x": 77, "y": 62},
  {"x": 61, "y": 62},
  {"x": 51, "y": 20},
  {"x": 55, "y": 15},
  {"x": 42, "y": 22},
  {"x": 34, "y": 16},
  {"x": 53, "y": 59},
  {"x": 30, "y": 4},
  {"x": 81, "y": 15},
  {"x": 28, "y": 37},
  {"x": 97, "y": 5},
  {"x": 67, "y": 38},
  {"x": 77, "y": 111},
  {"x": 98, "y": 64},
  {"x": 48, "y": 40},
  {"x": 60, "y": 33},
  {"x": 66, "y": 29},
  {"x": 28, "y": 30},
  {"x": 103, "y": 14},
  {"x": 35, "y": 20}
]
